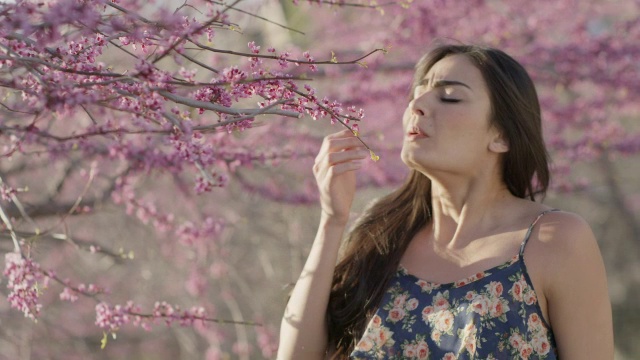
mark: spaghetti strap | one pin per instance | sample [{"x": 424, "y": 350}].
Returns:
[{"x": 526, "y": 237}]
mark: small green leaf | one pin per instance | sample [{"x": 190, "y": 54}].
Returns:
[
  {"x": 374, "y": 157},
  {"x": 334, "y": 59},
  {"x": 103, "y": 343}
]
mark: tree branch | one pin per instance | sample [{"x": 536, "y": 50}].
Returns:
[
  {"x": 256, "y": 16},
  {"x": 219, "y": 108}
]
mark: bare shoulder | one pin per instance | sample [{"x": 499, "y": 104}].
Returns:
[
  {"x": 566, "y": 256},
  {"x": 566, "y": 234},
  {"x": 564, "y": 248}
]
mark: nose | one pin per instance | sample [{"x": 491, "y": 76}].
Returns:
[
  {"x": 417, "y": 111},
  {"x": 418, "y": 106},
  {"x": 422, "y": 101}
]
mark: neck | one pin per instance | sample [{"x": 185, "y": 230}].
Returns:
[{"x": 462, "y": 208}]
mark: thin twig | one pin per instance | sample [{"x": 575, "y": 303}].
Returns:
[
  {"x": 275, "y": 57},
  {"x": 24, "y": 214},
  {"x": 75, "y": 204},
  {"x": 219, "y": 321},
  {"x": 59, "y": 68},
  {"x": 7, "y": 223},
  {"x": 199, "y": 63},
  {"x": 341, "y": 3},
  {"x": 337, "y": 117},
  {"x": 17, "y": 111},
  {"x": 257, "y": 16},
  {"x": 219, "y": 108},
  {"x": 186, "y": 36}
]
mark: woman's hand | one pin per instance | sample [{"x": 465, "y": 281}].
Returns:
[{"x": 334, "y": 169}]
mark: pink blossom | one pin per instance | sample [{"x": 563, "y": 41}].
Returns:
[
  {"x": 7, "y": 192},
  {"x": 233, "y": 74},
  {"x": 254, "y": 48},
  {"x": 76, "y": 102},
  {"x": 242, "y": 348},
  {"x": 267, "y": 341},
  {"x": 191, "y": 234},
  {"x": 113, "y": 317},
  {"x": 22, "y": 276},
  {"x": 68, "y": 295}
]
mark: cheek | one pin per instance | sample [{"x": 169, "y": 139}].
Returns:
[{"x": 406, "y": 116}]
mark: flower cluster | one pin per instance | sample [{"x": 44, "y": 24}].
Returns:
[
  {"x": 206, "y": 184},
  {"x": 190, "y": 234},
  {"x": 170, "y": 314},
  {"x": 145, "y": 211},
  {"x": 112, "y": 318},
  {"x": 267, "y": 341},
  {"x": 141, "y": 115},
  {"x": 70, "y": 293},
  {"x": 6, "y": 192},
  {"x": 23, "y": 275}
]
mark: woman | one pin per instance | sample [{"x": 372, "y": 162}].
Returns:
[{"x": 460, "y": 262}]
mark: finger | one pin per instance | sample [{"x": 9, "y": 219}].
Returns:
[
  {"x": 335, "y": 157},
  {"x": 344, "y": 134},
  {"x": 345, "y": 167},
  {"x": 338, "y": 144},
  {"x": 346, "y": 155},
  {"x": 341, "y": 134}
]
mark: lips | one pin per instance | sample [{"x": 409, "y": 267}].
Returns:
[{"x": 416, "y": 133}]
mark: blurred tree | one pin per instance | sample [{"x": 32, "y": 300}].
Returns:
[{"x": 135, "y": 158}]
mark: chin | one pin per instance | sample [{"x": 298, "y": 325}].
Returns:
[
  {"x": 409, "y": 159},
  {"x": 420, "y": 164},
  {"x": 405, "y": 157}
]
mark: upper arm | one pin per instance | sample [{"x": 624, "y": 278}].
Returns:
[{"x": 576, "y": 290}]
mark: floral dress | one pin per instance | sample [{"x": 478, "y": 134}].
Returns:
[{"x": 491, "y": 315}]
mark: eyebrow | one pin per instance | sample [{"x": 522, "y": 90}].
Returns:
[{"x": 441, "y": 83}]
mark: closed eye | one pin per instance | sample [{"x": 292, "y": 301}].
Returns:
[{"x": 449, "y": 100}]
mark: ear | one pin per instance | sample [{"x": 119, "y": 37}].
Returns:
[{"x": 499, "y": 144}]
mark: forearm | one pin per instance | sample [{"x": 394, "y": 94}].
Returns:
[{"x": 303, "y": 330}]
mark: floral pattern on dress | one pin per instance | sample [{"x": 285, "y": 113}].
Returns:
[
  {"x": 469, "y": 341},
  {"x": 532, "y": 344},
  {"x": 439, "y": 316},
  {"x": 493, "y": 314},
  {"x": 400, "y": 307},
  {"x": 415, "y": 349},
  {"x": 489, "y": 303},
  {"x": 377, "y": 340}
]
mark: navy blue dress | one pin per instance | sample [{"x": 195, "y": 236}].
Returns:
[{"x": 493, "y": 314}]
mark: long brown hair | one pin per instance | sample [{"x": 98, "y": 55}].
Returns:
[{"x": 374, "y": 247}]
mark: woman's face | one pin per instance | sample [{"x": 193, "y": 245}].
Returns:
[{"x": 447, "y": 123}]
